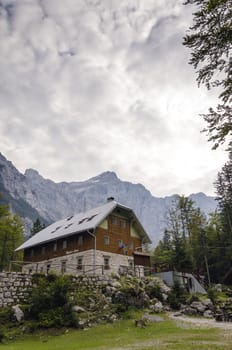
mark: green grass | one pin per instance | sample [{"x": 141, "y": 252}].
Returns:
[{"x": 124, "y": 335}]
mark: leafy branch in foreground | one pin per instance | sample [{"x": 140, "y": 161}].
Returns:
[{"x": 210, "y": 39}]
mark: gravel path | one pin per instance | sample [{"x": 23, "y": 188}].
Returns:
[{"x": 200, "y": 322}]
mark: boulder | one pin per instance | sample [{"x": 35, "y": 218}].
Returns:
[
  {"x": 208, "y": 303},
  {"x": 115, "y": 284},
  {"x": 208, "y": 314},
  {"x": 199, "y": 306},
  {"x": 158, "y": 307},
  {"x": 78, "y": 309},
  {"x": 18, "y": 313},
  {"x": 189, "y": 310}
]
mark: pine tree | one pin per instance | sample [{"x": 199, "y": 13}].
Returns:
[
  {"x": 37, "y": 226},
  {"x": 224, "y": 192},
  {"x": 11, "y": 236}
]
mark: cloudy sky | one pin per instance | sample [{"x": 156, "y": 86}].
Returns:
[{"x": 93, "y": 85}]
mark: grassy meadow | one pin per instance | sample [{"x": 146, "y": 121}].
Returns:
[{"x": 124, "y": 335}]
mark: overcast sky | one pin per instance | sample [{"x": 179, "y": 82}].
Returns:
[{"x": 94, "y": 85}]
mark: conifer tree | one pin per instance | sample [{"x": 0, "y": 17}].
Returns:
[{"x": 11, "y": 236}]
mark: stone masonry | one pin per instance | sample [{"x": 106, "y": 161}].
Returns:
[{"x": 14, "y": 288}]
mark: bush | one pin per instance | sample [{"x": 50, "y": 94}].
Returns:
[
  {"x": 192, "y": 298},
  {"x": 177, "y": 296},
  {"x": 58, "y": 317},
  {"x": 6, "y": 315},
  {"x": 50, "y": 302},
  {"x": 155, "y": 292},
  {"x": 2, "y": 335}
]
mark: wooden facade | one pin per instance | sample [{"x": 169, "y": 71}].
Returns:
[{"x": 114, "y": 239}]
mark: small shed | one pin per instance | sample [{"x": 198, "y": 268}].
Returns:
[{"x": 186, "y": 280}]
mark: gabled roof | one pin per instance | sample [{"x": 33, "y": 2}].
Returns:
[{"x": 79, "y": 223}]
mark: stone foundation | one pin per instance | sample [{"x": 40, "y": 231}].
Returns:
[{"x": 69, "y": 264}]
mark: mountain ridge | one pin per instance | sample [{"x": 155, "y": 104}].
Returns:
[{"x": 33, "y": 196}]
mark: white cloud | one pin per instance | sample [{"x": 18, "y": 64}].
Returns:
[{"x": 94, "y": 85}]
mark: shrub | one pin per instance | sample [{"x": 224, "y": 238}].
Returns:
[
  {"x": 2, "y": 335},
  {"x": 6, "y": 315},
  {"x": 155, "y": 292},
  {"x": 50, "y": 292},
  {"x": 177, "y": 296},
  {"x": 50, "y": 301}
]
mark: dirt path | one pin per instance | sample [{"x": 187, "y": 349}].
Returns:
[{"x": 200, "y": 322}]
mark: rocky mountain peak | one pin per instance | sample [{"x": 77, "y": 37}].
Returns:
[
  {"x": 32, "y": 174},
  {"x": 33, "y": 196},
  {"x": 107, "y": 176}
]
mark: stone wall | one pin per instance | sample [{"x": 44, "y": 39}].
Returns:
[{"x": 14, "y": 287}]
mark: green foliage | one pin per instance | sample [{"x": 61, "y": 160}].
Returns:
[
  {"x": 37, "y": 226},
  {"x": 6, "y": 315},
  {"x": 210, "y": 39},
  {"x": 124, "y": 335},
  {"x": 130, "y": 287},
  {"x": 11, "y": 236},
  {"x": 221, "y": 242},
  {"x": 57, "y": 317},
  {"x": 155, "y": 291},
  {"x": 177, "y": 296},
  {"x": 2, "y": 335},
  {"x": 183, "y": 244},
  {"x": 193, "y": 243},
  {"x": 212, "y": 294},
  {"x": 9, "y": 327},
  {"x": 50, "y": 301},
  {"x": 192, "y": 297}
]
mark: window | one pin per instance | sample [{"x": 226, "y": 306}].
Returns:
[
  {"x": 64, "y": 244},
  {"x": 106, "y": 263},
  {"x": 120, "y": 243},
  {"x": 55, "y": 247},
  {"x": 114, "y": 220},
  {"x": 106, "y": 240},
  {"x": 32, "y": 253},
  {"x": 79, "y": 263},
  {"x": 80, "y": 240},
  {"x": 123, "y": 223},
  {"x": 63, "y": 266},
  {"x": 131, "y": 245},
  {"x": 43, "y": 250}
]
